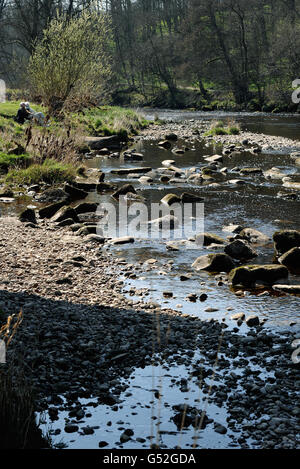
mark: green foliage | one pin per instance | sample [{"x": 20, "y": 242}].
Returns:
[
  {"x": 50, "y": 172},
  {"x": 219, "y": 128},
  {"x": 234, "y": 131},
  {"x": 13, "y": 161},
  {"x": 72, "y": 59}
]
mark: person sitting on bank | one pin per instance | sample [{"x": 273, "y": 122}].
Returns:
[
  {"x": 22, "y": 114},
  {"x": 38, "y": 117}
]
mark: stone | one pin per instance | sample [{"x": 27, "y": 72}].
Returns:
[
  {"x": 171, "y": 136},
  {"x": 98, "y": 143},
  {"x": 292, "y": 289},
  {"x": 126, "y": 171},
  {"x": 250, "y": 171},
  {"x": 133, "y": 156},
  {"x": 238, "y": 249},
  {"x": 214, "y": 159},
  {"x": 285, "y": 240},
  {"x": 254, "y": 236},
  {"x": 64, "y": 213},
  {"x": 238, "y": 316},
  {"x": 145, "y": 180},
  {"x": 220, "y": 428},
  {"x": 122, "y": 240},
  {"x": 249, "y": 274},
  {"x": 74, "y": 192},
  {"x": 291, "y": 259},
  {"x": 206, "y": 239},
  {"x": 86, "y": 230},
  {"x": 86, "y": 207},
  {"x": 50, "y": 210},
  {"x": 252, "y": 321},
  {"x": 186, "y": 197},
  {"x": 94, "y": 238},
  {"x": 166, "y": 222},
  {"x": 124, "y": 190},
  {"x": 71, "y": 428},
  {"x": 165, "y": 144},
  {"x": 214, "y": 263},
  {"x": 233, "y": 228},
  {"x": 170, "y": 199},
  {"x": 67, "y": 222},
  {"x": 53, "y": 195},
  {"x": 274, "y": 173},
  {"x": 168, "y": 163},
  {"x": 105, "y": 187},
  {"x": 28, "y": 215}
]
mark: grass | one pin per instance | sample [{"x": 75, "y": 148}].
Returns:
[
  {"x": 50, "y": 172},
  {"x": 219, "y": 128},
  {"x": 10, "y": 108},
  {"x": 110, "y": 120}
]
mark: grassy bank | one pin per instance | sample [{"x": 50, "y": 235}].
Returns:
[{"x": 31, "y": 154}]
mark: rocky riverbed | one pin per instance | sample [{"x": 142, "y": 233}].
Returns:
[
  {"x": 80, "y": 338},
  {"x": 97, "y": 326}
]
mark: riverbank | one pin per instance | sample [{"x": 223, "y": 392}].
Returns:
[{"x": 80, "y": 337}]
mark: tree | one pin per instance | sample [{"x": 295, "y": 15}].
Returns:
[{"x": 71, "y": 61}]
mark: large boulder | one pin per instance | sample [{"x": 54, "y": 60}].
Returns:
[
  {"x": 291, "y": 259},
  {"x": 53, "y": 195},
  {"x": 206, "y": 239},
  {"x": 239, "y": 249},
  {"x": 105, "y": 187},
  {"x": 28, "y": 215},
  {"x": 248, "y": 275},
  {"x": 74, "y": 192},
  {"x": 50, "y": 210},
  {"x": 98, "y": 143},
  {"x": 170, "y": 199},
  {"x": 86, "y": 207},
  {"x": 214, "y": 263},
  {"x": 285, "y": 240}
]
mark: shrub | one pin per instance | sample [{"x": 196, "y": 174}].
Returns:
[{"x": 71, "y": 60}]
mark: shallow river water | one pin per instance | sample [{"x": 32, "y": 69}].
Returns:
[{"x": 254, "y": 204}]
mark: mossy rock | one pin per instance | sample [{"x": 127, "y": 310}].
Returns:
[{"x": 249, "y": 274}]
